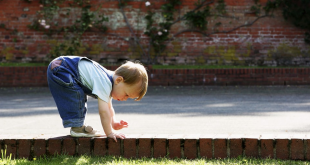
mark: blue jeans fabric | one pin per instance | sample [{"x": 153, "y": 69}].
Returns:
[{"x": 68, "y": 92}]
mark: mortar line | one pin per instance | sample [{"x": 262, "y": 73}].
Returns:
[
  {"x": 212, "y": 143},
  {"x": 198, "y": 148},
  {"x": 289, "y": 149},
  {"x": 137, "y": 147},
  {"x": 228, "y": 147},
  {"x": 92, "y": 144},
  {"x": 152, "y": 147}
]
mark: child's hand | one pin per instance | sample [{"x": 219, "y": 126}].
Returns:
[
  {"x": 120, "y": 125},
  {"x": 116, "y": 135}
]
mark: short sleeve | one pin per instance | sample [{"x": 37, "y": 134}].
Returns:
[
  {"x": 102, "y": 89},
  {"x": 95, "y": 79}
]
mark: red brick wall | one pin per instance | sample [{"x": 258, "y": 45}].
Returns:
[
  {"x": 23, "y": 76},
  {"x": 174, "y": 146},
  {"x": 265, "y": 35},
  {"x": 36, "y": 76}
]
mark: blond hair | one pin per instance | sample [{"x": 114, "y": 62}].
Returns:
[{"x": 132, "y": 73}]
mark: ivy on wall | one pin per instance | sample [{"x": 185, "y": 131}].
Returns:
[
  {"x": 88, "y": 18},
  {"x": 47, "y": 22},
  {"x": 197, "y": 20},
  {"x": 158, "y": 32},
  {"x": 295, "y": 11}
]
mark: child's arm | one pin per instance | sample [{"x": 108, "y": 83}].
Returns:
[
  {"x": 106, "y": 120},
  {"x": 117, "y": 125}
]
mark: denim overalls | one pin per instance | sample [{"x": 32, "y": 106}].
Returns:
[{"x": 67, "y": 89}]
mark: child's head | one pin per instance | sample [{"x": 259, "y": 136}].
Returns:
[{"x": 134, "y": 76}]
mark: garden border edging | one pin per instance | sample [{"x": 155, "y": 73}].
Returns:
[
  {"x": 36, "y": 76},
  {"x": 155, "y": 146}
]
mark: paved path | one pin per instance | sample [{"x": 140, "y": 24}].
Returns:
[{"x": 171, "y": 110}]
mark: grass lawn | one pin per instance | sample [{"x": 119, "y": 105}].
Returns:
[{"x": 109, "y": 160}]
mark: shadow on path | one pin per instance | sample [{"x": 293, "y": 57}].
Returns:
[{"x": 184, "y": 101}]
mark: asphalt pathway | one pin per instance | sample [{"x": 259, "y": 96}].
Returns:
[{"x": 171, "y": 110}]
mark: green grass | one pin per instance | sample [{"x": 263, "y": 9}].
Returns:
[{"x": 109, "y": 160}]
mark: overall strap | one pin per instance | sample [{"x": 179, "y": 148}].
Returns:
[{"x": 109, "y": 75}]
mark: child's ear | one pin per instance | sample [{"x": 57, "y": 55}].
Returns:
[{"x": 119, "y": 79}]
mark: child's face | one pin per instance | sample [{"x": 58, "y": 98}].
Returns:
[{"x": 121, "y": 91}]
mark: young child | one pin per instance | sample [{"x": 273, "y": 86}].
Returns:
[{"x": 72, "y": 78}]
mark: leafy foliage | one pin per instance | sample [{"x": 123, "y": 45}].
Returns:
[
  {"x": 169, "y": 8},
  {"x": 295, "y": 11},
  {"x": 48, "y": 23},
  {"x": 159, "y": 34},
  {"x": 198, "y": 19},
  {"x": 298, "y": 12}
]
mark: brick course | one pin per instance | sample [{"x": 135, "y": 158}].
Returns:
[
  {"x": 282, "y": 148},
  {"x": 298, "y": 147},
  {"x": 100, "y": 147},
  {"x": 130, "y": 147},
  {"x": 54, "y": 146},
  {"x": 84, "y": 146},
  {"x": 159, "y": 147},
  {"x": 25, "y": 146},
  {"x": 220, "y": 148},
  {"x": 194, "y": 147},
  {"x": 11, "y": 147},
  {"x": 36, "y": 76},
  {"x": 205, "y": 146},
  {"x": 190, "y": 148},
  {"x": 251, "y": 147},
  {"x": 114, "y": 148},
  {"x": 69, "y": 146},
  {"x": 235, "y": 147},
  {"x": 145, "y": 147},
  {"x": 267, "y": 148},
  {"x": 175, "y": 148},
  {"x": 39, "y": 147}
]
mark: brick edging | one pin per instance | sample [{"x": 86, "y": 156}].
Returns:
[
  {"x": 173, "y": 146},
  {"x": 36, "y": 76}
]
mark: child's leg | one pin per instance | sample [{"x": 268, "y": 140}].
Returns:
[{"x": 68, "y": 95}]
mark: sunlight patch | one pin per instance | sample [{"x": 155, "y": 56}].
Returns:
[{"x": 221, "y": 105}]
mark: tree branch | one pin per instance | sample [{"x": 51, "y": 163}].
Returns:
[
  {"x": 223, "y": 16},
  {"x": 224, "y": 31},
  {"x": 131, "y": 30},
  {"x": 244, "y": 25}
]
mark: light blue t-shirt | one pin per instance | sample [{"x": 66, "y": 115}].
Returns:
[{"x": 95, "y": 79}]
